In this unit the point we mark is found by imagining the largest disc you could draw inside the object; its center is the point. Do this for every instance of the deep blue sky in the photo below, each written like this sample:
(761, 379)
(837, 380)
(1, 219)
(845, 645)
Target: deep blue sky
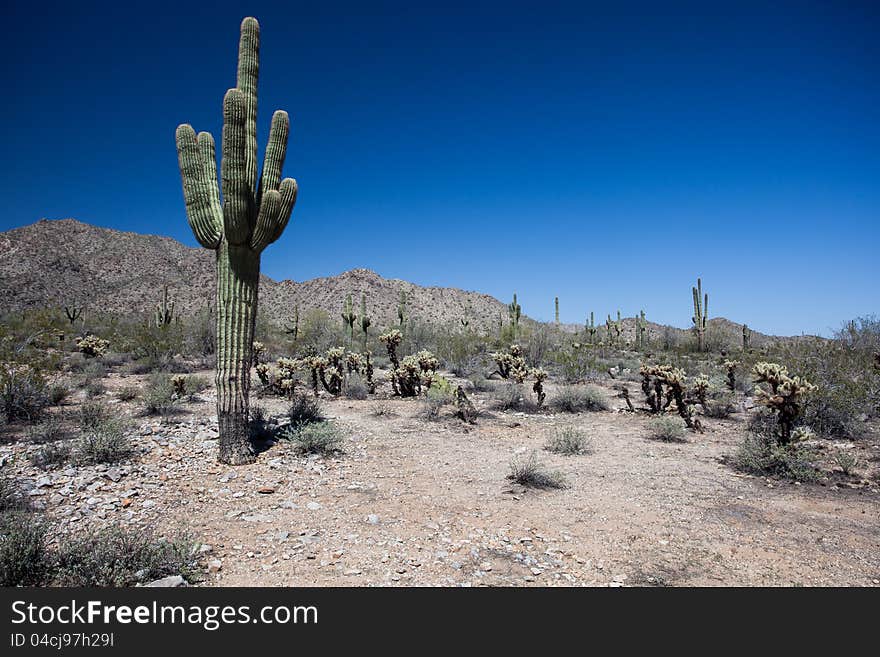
(605, 155)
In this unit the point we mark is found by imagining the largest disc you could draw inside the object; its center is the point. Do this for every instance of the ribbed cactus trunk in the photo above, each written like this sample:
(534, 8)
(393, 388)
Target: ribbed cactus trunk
(238, 280)
(252, 215)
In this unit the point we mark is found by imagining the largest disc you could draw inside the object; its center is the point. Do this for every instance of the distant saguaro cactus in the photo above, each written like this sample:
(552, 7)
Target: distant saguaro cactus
(514, 312)
(556, 301)
(401, 310)
(348, 319)
(253, 214)
(591, 328)
(641, 331)
(701, 312)
(73, 313)
(164, 310)
(365, 321)
(747, 337)
(293, 329)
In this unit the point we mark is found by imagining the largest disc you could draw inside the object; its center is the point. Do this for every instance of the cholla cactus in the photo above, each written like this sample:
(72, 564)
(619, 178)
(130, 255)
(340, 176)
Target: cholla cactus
(701, 313)
(464, 409)
(280, 380)
(654, 378)
(392, 340)
(92, 346)
(783, 395)
(514, 312)
(730, 366)
(511, 364)
(259, 351)
(701, 389)
(365, 321)
(73, 313)
(254, 212)
(164, 310)
(641, 331)
(178, 383)
(540, 376)
(415, 373)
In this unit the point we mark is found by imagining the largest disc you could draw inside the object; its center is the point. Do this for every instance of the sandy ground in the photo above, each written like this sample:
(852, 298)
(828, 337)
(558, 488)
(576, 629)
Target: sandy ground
(417, 502)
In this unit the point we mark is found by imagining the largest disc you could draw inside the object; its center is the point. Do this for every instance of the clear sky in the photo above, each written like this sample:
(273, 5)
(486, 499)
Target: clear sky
(607, 153)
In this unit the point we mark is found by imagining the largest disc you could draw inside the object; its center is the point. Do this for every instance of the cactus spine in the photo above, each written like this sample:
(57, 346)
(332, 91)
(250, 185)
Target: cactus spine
(253, 214)
(514, 312)
(641, 329)
(348, 319)
(365, 321)
(164, 310)
(701, 312)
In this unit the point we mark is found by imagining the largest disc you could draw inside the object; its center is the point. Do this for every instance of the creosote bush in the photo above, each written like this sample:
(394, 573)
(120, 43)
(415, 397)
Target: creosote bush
(668, 430)
(304, 410)
(578, 399)
(569, 441)
(763, 454)
(23, 392)
(104, 442)
(159, 396)
(528, 471)
(24, 557)
(322, 438)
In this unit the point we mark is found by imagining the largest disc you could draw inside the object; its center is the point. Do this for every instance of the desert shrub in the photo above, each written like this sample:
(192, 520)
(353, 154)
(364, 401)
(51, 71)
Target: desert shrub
(511, 396)
(578, 399)
(435, 399)
(576, 363)
(24, 557)
(195, 384)
(315, 438)
(382, 409)
(667, 429)
(103, 442)
(355, 388)
(58, 393)
(23, 392)
(763, 454)
(51, 455)
(530, 472)
(570, 442)
(460, 350)
(127, 393)
(304, 410)
(114, 359)
(47, 431)
(114, 556)
(94, 388)
(720, 407)
(482, 384)
(159, 397)
(11, 497)
(259, 424)
(846, 461)
(92, 414)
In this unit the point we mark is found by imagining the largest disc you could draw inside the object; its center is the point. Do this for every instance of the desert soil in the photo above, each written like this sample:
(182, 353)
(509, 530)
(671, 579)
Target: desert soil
(427, 503)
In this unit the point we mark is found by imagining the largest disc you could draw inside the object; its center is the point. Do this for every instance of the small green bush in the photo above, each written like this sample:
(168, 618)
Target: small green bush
(23, 392)
(570, 442)
(58, 394)
(158, 397)
(52, 455)
(315, 438)
(578, 399)
(24, 557)
(105, 442)
(127, 393)
(762, 454)
(668, 430)
(122, 557)
(304, 409)
(92, 414)
(530, 472)
(355, 388)
(48, 431)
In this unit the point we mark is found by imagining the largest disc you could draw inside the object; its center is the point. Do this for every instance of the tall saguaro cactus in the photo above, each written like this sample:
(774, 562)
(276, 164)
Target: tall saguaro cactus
(556, 301)
(253, 214)
(701, 312)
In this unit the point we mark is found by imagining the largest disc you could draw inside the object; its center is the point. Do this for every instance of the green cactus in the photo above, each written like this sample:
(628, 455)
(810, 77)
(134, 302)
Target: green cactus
(348, 319)
(641, 331)
(556, 301)
(701, 312)
(747, 338)
(253, 214)
(514, 312)
(164, 310)
(365, 320)
(401, 310)
(591, 328)
(613, 329)
(73, 312)
(293, 329)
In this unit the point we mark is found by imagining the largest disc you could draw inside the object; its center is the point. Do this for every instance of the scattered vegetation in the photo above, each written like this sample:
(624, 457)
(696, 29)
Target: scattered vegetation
(528, 471)
(667, 429)
(570, 442)
(578, 399)
(322, 438)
